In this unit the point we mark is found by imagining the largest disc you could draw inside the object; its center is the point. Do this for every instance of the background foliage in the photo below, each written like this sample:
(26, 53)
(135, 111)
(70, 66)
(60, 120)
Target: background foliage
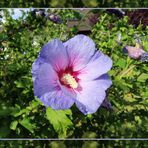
(73, 3)
(23, 116)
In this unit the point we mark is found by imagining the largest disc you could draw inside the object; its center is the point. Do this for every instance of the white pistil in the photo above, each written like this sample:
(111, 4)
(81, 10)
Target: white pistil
(68, 79)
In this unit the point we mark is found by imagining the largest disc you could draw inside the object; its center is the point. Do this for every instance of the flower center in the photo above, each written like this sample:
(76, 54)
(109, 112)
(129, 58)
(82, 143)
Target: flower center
(68, 79)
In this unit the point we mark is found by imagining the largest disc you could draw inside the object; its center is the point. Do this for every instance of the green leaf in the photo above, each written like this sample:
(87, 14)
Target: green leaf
(58, 118)
(19, 84)
(6, 110)
(121, 63)
(33, 105)
(143, 77)
(27, 124)
(137, 119)
(13, 125)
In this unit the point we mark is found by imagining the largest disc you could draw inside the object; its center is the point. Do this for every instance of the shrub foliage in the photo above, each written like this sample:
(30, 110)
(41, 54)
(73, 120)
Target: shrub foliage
(24, 116)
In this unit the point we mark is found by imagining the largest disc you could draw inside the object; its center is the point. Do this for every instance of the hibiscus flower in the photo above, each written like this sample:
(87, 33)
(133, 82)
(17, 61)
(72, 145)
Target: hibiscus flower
(71, 72)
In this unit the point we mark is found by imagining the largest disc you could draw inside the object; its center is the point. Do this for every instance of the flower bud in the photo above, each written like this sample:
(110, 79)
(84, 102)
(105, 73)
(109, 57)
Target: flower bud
(133, 52)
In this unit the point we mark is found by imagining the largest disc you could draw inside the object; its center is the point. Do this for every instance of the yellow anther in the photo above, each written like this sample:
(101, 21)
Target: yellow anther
(69, 80)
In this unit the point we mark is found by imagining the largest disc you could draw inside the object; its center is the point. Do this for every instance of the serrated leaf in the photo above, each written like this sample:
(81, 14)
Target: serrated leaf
(59, 120)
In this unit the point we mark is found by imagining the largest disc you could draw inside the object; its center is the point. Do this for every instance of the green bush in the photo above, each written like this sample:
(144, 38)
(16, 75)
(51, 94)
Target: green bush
(24, 116)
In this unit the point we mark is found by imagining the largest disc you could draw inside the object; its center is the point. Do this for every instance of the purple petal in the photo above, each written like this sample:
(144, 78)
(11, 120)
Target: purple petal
(57, 100)
(80, 49)
(55, 53)
(104, 81)
(90, 98)
(44, 77)
(35, 67)
(98, 65)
